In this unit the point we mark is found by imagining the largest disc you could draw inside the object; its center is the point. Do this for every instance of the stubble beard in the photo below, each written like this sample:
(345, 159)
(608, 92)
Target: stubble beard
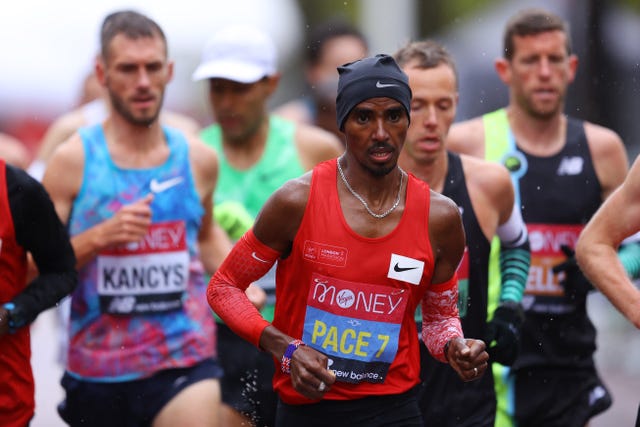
(119, 105)
(381, 171)
(543, 115)
(538, 113)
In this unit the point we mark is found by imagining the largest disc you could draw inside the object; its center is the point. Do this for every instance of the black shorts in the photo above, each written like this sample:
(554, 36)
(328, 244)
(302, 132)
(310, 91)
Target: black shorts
(558, 397)
(396, 410)
(131, 403)
(247, 383)
(447, 401)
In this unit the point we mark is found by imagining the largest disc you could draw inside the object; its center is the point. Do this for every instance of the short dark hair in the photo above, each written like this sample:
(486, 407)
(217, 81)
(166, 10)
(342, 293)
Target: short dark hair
(132, 24)
(427, 54)
(325, 32)
(529, 22)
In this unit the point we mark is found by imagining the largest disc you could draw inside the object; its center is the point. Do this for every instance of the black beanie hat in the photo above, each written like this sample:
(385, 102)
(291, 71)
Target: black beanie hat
(373, 77)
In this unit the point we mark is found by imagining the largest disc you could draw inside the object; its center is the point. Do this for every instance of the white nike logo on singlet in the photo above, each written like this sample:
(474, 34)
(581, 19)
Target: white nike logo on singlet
(160, 186)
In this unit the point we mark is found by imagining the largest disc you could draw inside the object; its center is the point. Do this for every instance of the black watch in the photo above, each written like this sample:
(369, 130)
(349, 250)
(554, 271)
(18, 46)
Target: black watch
(16, 320)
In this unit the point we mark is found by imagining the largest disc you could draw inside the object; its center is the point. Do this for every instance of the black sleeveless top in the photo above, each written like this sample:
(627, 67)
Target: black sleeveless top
(447, 400)
(558, 195)
(473, 311)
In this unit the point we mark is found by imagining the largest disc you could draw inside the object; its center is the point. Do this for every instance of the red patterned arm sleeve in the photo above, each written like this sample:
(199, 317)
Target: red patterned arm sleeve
(248, 261)
(440, 317)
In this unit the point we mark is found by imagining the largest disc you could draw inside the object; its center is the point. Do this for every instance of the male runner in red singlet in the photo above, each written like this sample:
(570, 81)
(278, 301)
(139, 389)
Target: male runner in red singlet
(28, 223)
(359, 245)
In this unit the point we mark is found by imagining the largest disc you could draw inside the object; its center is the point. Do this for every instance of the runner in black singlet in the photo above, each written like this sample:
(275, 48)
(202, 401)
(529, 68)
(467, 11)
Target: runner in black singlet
(562, 169)
(485, 198)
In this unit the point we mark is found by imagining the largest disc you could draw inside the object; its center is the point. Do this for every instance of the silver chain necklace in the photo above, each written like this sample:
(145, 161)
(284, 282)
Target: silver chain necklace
(364, 203)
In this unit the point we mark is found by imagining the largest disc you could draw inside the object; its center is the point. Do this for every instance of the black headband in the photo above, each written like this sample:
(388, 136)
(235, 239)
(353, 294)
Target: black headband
(373, 77)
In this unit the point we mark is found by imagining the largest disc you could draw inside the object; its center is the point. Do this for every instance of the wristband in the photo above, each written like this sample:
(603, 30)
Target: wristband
(285, 365)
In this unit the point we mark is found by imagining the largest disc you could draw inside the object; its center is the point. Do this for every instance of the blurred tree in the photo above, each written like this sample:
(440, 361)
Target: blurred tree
(634, 4)
(316, 12)
(436, 15)
(606, 91)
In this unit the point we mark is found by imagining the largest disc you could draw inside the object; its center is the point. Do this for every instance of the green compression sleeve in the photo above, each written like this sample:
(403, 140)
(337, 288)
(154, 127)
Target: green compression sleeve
(514, 270)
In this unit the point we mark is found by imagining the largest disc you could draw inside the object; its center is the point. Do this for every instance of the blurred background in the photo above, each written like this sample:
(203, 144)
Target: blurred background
(47, 50)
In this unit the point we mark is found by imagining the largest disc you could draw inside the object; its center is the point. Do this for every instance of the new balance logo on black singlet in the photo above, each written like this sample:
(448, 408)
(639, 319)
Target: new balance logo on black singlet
(570, 166)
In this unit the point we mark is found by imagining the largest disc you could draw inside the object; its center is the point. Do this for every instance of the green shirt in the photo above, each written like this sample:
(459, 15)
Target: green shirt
(252, 187)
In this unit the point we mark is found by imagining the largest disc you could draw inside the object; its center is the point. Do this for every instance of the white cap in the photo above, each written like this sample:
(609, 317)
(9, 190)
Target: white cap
(240, 53)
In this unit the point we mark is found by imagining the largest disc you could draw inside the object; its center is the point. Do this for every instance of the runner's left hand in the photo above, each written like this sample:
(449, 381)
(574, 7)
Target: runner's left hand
(468, 358)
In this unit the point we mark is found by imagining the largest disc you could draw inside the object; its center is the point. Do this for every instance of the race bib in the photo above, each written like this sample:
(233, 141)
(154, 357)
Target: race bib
(545, 241)
(149, 276)
(357, 325)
